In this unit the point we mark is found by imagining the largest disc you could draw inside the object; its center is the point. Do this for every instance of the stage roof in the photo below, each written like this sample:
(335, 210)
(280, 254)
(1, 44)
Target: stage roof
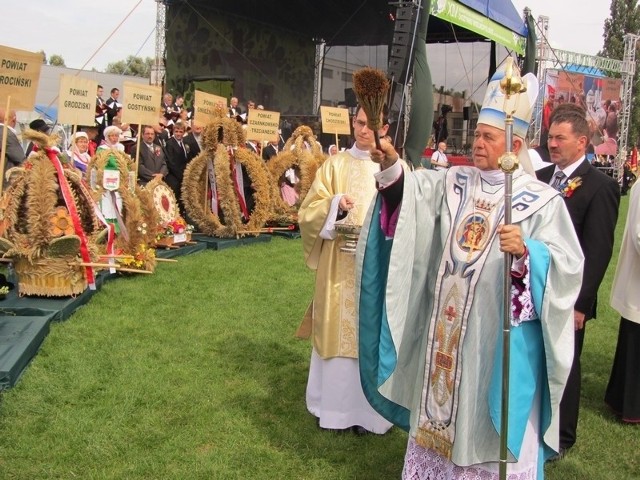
(351, 22)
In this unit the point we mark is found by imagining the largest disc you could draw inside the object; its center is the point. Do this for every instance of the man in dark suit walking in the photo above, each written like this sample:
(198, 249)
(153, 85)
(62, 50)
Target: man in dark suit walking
(592, 199)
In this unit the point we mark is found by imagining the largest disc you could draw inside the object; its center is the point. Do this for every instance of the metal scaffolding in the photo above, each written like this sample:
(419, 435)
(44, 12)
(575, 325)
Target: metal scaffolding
(158, 69)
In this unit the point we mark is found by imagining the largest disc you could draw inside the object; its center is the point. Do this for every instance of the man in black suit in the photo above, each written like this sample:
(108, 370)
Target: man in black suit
(176, 161)
(113, 106)
(592, 199)
(192, 142)
(270, 150)
(100, 114)
(153, 161)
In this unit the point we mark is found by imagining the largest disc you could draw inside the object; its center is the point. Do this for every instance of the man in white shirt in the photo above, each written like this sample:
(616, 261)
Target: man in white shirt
(439, 158)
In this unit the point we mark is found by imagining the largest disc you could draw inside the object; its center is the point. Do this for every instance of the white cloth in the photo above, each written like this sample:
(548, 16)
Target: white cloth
(624, 292)
(333, 400)
(423, 464)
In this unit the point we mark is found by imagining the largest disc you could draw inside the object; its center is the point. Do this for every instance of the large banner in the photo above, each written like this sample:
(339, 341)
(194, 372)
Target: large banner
(598, 95)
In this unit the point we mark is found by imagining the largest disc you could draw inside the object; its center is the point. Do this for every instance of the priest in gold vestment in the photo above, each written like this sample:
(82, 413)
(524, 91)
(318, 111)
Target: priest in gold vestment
(341, 193)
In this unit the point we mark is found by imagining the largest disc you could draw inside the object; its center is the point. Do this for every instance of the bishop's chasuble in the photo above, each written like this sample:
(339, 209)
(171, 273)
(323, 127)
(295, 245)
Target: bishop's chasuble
(430, 313)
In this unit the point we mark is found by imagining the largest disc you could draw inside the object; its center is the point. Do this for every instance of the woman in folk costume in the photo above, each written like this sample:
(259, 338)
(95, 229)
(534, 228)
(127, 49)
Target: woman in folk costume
(79, 151)
(111, 139)
(430, 269)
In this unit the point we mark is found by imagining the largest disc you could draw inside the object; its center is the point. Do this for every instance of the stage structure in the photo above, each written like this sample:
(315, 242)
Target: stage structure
(272, 51)
(561, 72)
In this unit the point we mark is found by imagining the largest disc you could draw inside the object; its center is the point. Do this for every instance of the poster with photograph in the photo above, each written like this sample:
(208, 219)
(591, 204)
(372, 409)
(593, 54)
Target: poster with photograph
(597, 94)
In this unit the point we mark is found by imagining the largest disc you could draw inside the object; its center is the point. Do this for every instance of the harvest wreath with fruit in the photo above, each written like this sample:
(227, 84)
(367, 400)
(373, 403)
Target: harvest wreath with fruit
(48, 223)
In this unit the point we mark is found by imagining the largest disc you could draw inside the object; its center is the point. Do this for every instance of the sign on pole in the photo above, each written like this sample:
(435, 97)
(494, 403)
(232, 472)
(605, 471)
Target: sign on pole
(335, 120)
(141, 103)
(204, 107)
(76, 100)
(262, 125)
(19, 75)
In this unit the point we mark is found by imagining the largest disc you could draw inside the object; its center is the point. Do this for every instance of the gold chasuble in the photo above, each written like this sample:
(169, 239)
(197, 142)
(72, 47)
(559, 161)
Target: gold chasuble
(334, 323)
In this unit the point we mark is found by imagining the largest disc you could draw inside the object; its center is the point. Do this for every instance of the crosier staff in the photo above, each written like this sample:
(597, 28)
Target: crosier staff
(511, 85)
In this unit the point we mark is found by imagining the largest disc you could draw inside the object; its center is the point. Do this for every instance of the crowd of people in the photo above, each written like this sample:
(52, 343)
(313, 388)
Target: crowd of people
(405, 332)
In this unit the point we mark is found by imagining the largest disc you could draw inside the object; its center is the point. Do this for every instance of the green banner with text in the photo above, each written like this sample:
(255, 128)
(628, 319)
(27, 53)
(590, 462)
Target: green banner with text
(463, 16)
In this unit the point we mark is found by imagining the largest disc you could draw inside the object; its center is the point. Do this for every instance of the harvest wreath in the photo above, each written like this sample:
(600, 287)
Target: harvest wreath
(48, 224)
(221, 139)
(133, 213)
(302, 151)
(171, 229)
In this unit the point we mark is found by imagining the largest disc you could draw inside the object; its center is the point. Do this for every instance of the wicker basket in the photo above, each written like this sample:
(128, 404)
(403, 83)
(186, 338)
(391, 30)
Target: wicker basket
(50, 277)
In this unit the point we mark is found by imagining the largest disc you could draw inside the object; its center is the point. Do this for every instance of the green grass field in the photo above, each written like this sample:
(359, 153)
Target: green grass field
(195, 373)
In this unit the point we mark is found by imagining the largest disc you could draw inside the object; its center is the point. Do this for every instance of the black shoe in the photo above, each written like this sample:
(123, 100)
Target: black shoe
(558, 456)
(360, 431)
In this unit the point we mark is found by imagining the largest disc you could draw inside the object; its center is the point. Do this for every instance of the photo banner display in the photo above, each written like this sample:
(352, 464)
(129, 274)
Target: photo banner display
(141, 103)
(599, 95)
(19, 76)
(204, 105)
(335, 120)
(262, 125)
(76, 100)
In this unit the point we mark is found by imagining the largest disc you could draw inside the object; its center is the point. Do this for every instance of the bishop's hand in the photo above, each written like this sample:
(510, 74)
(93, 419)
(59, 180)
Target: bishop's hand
(386, 157)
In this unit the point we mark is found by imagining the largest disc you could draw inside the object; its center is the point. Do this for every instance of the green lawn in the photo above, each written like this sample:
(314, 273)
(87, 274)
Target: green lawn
(194, 372)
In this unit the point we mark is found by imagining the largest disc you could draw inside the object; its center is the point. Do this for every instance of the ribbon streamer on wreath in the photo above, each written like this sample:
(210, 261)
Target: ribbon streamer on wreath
(239, 193)
(73, 213)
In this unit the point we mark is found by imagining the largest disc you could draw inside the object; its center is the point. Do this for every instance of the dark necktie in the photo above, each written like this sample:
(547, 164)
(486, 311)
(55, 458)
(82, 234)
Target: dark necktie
(558, 179)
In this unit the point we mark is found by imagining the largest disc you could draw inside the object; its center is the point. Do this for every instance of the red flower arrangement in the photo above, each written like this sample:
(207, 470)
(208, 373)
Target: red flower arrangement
(567, 188)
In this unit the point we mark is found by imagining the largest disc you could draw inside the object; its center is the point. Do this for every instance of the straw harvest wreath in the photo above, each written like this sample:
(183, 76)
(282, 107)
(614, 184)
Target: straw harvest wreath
(221, 141)
(136, 227)
(48, 224)
(303, 151)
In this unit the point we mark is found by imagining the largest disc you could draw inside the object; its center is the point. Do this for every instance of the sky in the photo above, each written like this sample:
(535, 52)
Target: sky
(76, 29)
(574, 25)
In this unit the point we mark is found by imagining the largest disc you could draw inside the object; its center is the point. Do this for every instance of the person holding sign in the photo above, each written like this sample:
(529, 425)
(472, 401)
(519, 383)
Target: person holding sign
(341, 192)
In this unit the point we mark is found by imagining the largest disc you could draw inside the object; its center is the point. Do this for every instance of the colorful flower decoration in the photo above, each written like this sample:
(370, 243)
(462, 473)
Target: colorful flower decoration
(570, 186)
(61, 223)
(173, 227)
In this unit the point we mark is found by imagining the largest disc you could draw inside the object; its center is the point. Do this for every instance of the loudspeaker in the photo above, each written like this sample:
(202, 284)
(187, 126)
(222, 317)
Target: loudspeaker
(465, 113)
(400, 51)
(350, 99)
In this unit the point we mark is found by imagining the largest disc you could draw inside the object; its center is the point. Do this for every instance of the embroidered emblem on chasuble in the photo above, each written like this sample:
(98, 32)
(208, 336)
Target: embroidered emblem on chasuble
(476, 210)
(362, 187)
